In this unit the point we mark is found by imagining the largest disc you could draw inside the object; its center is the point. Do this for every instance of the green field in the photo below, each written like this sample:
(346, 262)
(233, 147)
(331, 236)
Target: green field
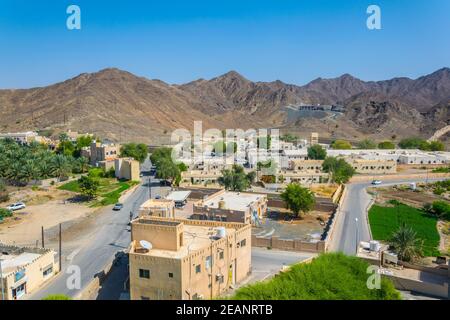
(385, 220)
(109, 191)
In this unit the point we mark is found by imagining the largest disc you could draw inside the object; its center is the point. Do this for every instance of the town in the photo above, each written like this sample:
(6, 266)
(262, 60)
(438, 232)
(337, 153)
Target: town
(168, 223)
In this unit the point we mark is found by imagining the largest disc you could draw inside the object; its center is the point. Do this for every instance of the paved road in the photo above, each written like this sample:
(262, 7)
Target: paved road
(110, 236)
(349, 231)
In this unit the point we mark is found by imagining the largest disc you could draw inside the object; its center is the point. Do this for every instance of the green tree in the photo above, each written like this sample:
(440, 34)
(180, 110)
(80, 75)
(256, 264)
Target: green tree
(405, 243)
(386, 145)
(88, 186)
(341, 145)
(57, 297)
(340, 171)
(137, 151)
(234, 179)
(414, 143)
(159, 154)
(437, 146)
(317, 152)
(61, 166)
(441, 209)
(298, 199)
(288, 138)
(167, 170)
(367, 144)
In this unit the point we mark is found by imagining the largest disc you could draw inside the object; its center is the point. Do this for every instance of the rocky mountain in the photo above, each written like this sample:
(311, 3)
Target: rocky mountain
(121, 106)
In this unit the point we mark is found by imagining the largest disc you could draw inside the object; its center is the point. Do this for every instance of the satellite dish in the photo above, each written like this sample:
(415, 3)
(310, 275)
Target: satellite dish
(145, 244)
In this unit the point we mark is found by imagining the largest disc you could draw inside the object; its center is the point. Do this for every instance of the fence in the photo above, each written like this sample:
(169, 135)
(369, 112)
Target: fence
(288, 244)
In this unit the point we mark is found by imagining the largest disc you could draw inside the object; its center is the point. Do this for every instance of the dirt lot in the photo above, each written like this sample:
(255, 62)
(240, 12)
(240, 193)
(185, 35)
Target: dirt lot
(44, 208)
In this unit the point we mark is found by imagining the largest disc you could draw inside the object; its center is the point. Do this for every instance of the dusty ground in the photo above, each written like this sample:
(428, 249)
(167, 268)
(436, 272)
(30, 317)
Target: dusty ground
(44, 208)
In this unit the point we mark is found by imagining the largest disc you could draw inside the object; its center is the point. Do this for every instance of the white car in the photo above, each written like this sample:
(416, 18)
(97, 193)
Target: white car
(376, 182)
(16, 206)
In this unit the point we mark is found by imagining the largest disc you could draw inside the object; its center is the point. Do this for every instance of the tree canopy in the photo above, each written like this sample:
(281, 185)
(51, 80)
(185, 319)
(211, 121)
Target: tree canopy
(367, 144)
(88, 186)
(340, 170)
(235, 179)
(317, 152)
(298, 199)
(418, 143)
(341, 145)
(137, 151)
(386, 145)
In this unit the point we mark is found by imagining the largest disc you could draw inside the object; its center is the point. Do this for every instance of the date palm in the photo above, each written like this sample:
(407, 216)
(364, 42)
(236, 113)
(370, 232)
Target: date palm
(405, 243)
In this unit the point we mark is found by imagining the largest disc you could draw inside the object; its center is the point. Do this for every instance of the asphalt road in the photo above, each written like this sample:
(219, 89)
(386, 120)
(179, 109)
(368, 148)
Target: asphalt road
(352, 225)
(110, 236)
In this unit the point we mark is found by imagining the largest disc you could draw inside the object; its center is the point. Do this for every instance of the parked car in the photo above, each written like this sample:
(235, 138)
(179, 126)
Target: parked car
(157, 197)
(376, 182)
(118, 207)
(16, 206)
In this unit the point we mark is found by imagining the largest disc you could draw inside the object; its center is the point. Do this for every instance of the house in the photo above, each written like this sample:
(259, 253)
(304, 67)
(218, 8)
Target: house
(231, 206)
(127, 169)
(23, 269)
(158, 207)
(178, 259)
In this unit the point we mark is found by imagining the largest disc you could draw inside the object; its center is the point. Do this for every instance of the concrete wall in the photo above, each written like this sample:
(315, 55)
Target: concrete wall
(420, 176)
(163, 236)
(288, 244)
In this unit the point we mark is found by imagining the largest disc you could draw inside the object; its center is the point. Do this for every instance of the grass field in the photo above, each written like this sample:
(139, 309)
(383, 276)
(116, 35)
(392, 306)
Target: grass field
(109, 190)
(385, 220)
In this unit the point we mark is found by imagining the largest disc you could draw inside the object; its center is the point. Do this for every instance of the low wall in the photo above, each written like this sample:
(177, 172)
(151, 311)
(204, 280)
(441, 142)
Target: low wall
(288, 244)
(428, 288)
(331, 225)
(420, 176)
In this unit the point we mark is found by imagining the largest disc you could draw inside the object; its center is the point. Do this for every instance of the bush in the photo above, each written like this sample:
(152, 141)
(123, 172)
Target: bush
(441, 209)
(5, 213)
(341, 145)
(57, 297)
(331, 276)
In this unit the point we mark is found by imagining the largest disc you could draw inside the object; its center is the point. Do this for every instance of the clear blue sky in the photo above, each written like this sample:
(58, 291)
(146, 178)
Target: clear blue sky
(179, 41)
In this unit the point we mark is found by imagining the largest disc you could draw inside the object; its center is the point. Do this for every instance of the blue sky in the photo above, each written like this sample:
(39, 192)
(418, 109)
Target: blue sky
(179, 41)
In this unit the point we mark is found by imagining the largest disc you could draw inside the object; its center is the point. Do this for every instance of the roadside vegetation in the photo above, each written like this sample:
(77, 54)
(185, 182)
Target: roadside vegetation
(137, 151)
(57, 297)
(317, 152)
(166, 168)
(340, 170)
(389, 222)
(331, 276)
(442, 170)
(418, 143)
(341, 145)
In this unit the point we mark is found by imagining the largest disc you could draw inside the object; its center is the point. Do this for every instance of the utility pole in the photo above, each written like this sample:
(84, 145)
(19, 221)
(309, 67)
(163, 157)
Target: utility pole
(357, 235)
(42, 237)
(60, 249)
(1, 278)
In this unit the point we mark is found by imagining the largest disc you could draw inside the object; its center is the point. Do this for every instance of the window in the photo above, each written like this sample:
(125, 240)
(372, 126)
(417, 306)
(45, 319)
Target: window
(47, 272)
(143, 273)
(170, 275)
(243, 242)
(198, 268)
(145, 298)
(208, 262)
(221, 254)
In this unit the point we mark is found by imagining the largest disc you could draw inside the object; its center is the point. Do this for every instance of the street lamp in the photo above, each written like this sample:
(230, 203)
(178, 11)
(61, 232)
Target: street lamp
(357, 235)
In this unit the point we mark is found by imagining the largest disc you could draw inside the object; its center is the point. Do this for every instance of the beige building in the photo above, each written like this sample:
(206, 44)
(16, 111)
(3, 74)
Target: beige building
(22, 137)
(25, 269)
(175, 259)
(306, 166)
(103, 152)
(314, 139)
(200, 177)
(231, 207)
(302, 177)
(158, 207)
(373, 166)
(127, 168)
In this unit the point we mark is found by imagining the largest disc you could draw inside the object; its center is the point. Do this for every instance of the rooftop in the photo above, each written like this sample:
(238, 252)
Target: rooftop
(233, 200)
(156, 203)
(195, 237)
(178, 195)
(12, 262)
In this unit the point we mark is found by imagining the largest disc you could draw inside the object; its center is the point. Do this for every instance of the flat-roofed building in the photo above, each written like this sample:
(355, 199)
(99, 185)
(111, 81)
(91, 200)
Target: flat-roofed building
(314, 139)
(104, 152)
(158, 207)
(231, 206)
(177, 259)
(24, 269)
(306, 165)
(22, 137)
(200, 177)
(373, 166)
(178, 197)
(304, 177)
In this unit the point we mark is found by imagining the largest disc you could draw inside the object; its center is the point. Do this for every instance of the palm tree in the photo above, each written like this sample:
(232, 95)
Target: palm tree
(61, 166)
(405, 243)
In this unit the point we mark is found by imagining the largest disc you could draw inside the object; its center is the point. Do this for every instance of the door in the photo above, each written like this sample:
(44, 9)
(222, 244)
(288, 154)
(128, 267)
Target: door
(19, 291)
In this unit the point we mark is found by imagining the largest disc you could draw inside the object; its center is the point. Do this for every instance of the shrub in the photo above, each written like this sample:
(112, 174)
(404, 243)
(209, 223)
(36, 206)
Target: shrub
(5, 213)
(441, 209)
(331, 276)
(57, 297)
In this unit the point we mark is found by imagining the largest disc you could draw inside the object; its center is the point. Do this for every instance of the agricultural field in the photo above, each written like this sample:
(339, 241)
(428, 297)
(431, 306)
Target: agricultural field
(384, 220)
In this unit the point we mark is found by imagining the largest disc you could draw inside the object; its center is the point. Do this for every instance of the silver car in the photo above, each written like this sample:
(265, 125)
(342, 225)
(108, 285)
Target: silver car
(16, 206)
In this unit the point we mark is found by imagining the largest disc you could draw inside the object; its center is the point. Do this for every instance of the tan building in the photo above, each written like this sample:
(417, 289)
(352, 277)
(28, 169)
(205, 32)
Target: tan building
(304, 178)
(158, 207)
(103, 152)
(373, 166)
(176, 259)
(127, 168)
(200, 177)
(306, 166)
(314, 139)
(21, 137)
(231, 206)
(25, 269)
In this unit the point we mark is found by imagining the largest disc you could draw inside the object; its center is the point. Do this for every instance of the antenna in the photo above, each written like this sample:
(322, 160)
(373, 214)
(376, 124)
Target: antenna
(145, 244)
